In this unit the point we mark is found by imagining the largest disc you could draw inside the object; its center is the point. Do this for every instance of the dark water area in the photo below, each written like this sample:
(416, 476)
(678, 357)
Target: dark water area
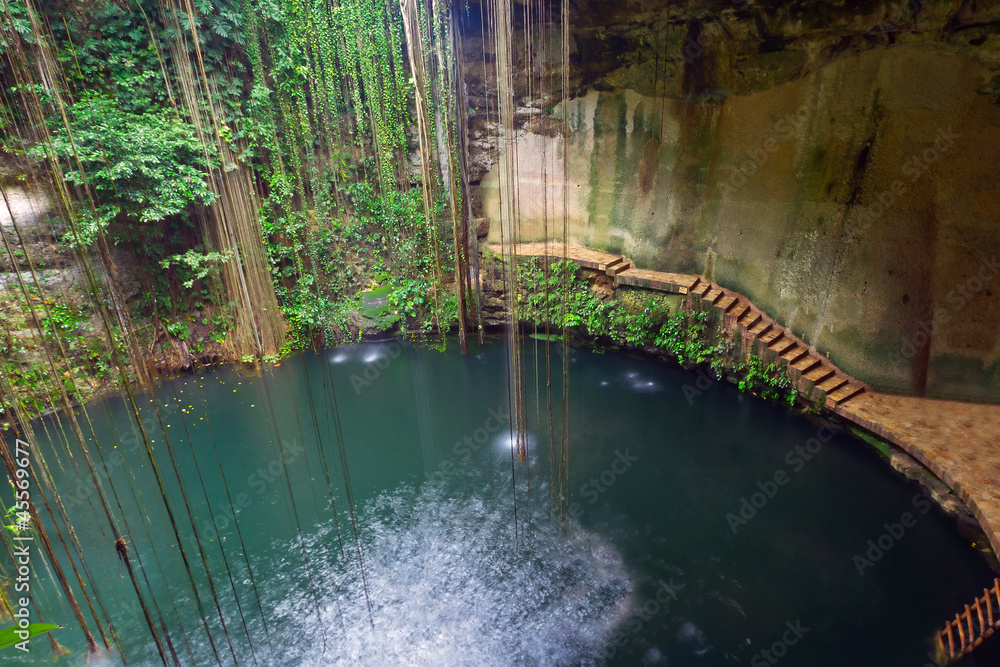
(711, 529)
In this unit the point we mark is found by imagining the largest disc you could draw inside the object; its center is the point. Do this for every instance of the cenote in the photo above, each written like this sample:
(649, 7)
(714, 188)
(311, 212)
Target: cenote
(651, 569)
(499, 332)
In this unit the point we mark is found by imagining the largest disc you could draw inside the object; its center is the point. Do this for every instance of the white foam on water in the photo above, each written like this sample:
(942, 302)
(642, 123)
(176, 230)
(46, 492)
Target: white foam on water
(447, 587)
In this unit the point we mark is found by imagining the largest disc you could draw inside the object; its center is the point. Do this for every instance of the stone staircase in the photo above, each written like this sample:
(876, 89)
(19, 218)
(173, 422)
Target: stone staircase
(812, 374)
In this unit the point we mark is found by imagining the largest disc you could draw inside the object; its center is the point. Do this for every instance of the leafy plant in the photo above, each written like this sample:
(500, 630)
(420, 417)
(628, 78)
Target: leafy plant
(768, 379)
(197, 265)
(179, 330)
(148, 166)
(17, 522)
(560, 296)
(8, 636)
(66, 321)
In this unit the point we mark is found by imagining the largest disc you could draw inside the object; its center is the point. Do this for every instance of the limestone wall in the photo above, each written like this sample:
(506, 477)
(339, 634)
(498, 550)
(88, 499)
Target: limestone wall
(858, 204)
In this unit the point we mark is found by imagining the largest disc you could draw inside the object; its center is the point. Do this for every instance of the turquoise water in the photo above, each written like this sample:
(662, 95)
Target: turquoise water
(707, 529)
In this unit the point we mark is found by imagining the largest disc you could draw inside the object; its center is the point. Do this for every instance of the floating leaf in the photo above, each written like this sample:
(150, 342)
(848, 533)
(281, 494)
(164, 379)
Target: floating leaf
(8, 638)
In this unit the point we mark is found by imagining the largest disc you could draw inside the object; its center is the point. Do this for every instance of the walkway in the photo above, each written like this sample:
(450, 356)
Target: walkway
(955, 440)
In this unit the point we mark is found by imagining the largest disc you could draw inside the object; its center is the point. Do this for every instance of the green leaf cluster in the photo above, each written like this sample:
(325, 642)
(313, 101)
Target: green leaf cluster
(148, 166)
(558, 294)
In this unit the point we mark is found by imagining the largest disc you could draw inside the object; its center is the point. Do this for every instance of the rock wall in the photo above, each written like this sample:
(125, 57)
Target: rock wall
(843, 176)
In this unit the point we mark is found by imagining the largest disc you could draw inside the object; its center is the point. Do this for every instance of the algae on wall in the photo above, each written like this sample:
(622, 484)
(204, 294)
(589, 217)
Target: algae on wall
(856, 204)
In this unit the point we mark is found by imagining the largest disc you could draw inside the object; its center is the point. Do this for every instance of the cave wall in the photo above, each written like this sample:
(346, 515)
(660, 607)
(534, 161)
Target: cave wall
(853, 194)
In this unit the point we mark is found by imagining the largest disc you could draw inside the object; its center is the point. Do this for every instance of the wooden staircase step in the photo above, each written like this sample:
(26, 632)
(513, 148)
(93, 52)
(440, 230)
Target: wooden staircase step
(809, 372)
(832, 383)
(807, 363)
(617, 266)
(844, 394)
(726, 302)
(819, 373)
(738, 312)
(773, 334)
(972, 630)
(713, 295)
(701, 287)
(793, 355)
(750, 319)
(782, 345)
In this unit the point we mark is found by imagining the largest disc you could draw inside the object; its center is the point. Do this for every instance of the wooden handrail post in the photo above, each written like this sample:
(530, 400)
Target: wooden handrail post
(970, 635)
(972, 631)
(989, 606)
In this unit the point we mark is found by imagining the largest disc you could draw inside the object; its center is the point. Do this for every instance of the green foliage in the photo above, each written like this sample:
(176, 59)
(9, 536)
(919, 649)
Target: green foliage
(767, 379)
(16, 25)
(563, 297)
(66, 321)
(316, 102)
(571, 302)
(197, 265)
(310, 313)
(148, 166)
(17, 522)
(320, 269)
(448, 315)
(331, 102)
(178, 330)
(223, 324)
(376, 310)
(409, 297)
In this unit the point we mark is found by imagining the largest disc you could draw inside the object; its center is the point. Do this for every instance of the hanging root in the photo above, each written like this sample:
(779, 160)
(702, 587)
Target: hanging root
(58, 650)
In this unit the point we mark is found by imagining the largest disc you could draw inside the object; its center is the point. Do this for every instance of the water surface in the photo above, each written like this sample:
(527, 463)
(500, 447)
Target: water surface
(707, 528)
